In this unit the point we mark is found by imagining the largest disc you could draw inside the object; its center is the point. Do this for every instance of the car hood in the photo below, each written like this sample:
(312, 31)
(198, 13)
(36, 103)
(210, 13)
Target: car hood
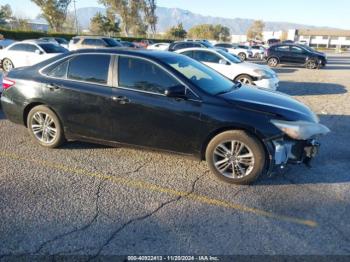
(270, 102)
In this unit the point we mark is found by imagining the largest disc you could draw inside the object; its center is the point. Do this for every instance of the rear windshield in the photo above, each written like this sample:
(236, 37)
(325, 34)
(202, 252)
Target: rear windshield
(51, 48)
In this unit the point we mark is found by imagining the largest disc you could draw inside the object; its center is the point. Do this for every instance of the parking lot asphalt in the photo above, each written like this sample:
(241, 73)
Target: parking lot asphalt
(87, 199)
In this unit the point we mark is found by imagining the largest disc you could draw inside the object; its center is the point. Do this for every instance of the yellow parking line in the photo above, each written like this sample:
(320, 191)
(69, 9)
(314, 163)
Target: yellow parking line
(157, 188)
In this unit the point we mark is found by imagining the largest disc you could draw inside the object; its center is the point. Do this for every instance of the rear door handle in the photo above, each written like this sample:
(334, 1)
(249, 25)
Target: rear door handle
(121, 99)
(53, 86)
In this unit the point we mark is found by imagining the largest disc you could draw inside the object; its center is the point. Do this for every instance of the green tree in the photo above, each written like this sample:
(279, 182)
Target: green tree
(136, 15)
(176, 32)
(5, 14)
(104, 24)
(222, 33)
(54, 12)
(207, 31)
(255, 30)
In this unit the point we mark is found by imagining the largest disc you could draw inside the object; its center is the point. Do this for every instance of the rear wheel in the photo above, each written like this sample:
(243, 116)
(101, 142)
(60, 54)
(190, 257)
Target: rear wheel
(45, 127)
(245, 79)
(7, 65)
(236, 157)
(272, 62)
(242, 56)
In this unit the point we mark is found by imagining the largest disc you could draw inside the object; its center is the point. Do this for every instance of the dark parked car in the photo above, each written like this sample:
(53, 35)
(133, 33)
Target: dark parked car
(161, 100)
(295, 54)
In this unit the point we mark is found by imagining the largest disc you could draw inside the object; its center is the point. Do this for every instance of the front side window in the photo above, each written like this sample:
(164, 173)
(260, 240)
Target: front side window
(206, 57)
(143, 75)
(89, 68)
(296, 49)
(200, 75)
(282, 48)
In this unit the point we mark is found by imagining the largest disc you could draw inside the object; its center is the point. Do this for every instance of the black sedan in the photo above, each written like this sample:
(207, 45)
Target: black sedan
(165, 101)
(295, 54)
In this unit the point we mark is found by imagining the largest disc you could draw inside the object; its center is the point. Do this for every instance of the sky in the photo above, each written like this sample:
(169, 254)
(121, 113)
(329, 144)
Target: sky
(331, 13)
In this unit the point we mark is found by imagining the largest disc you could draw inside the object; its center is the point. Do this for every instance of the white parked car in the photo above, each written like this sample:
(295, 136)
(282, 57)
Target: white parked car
(242, 52)
(27, 53)
(233, 68)
(159, 46)
(258, 51)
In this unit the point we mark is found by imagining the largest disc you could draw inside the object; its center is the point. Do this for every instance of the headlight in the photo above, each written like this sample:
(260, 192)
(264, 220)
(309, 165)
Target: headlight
(263, 74)
(300, 130)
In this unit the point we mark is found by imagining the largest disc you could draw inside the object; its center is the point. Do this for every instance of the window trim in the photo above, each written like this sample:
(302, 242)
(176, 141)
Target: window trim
(70, 57)
(116, 83)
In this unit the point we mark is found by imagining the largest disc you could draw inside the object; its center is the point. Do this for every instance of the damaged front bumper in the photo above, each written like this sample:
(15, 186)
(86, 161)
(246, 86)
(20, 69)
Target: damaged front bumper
(285, 151)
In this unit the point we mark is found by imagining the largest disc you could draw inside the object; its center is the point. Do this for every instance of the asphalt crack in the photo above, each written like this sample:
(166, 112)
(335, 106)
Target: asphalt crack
(141, 218)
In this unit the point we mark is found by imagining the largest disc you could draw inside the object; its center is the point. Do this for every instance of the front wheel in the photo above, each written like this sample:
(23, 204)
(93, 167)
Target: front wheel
(45, 127)
(236, 157)
(245, 79)
(311, 64)
(242, 56)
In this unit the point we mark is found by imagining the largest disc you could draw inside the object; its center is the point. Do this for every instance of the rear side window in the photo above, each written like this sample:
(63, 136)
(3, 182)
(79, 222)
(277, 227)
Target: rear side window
(89, 68)
(23, 47)
(143, 75)
(59, 71)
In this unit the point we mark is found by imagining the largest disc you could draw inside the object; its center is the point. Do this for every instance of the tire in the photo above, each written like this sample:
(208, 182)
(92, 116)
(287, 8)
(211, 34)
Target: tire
(242, 56)
(245, 79)
(45, 127)
(7, 65)
(272, 62)
(311, 64)
(246, 169)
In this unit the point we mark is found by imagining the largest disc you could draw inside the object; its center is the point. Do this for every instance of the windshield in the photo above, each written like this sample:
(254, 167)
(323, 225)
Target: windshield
(52, 48)
(111, 42)
(200, 75)
(308, 48)
(232, 58)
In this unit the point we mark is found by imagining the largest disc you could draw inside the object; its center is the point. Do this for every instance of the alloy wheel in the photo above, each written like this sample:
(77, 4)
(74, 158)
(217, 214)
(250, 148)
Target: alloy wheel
(7, 65)
(43, 127)
(233, 159)
(245, 81)
(273, 62)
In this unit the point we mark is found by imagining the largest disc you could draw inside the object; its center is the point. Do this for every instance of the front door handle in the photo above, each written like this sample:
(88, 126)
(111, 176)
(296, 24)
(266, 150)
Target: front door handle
(53, 87)
(121, 99)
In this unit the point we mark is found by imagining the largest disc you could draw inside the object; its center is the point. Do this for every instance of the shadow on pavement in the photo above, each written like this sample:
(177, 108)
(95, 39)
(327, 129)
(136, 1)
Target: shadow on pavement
(310, 88)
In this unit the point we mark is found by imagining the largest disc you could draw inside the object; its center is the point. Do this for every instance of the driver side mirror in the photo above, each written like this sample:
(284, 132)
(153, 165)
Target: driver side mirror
(38, 52)
(178, 91)
(223, 62)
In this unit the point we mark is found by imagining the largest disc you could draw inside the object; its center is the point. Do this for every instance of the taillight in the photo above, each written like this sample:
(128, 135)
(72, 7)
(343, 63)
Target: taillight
(7, 83)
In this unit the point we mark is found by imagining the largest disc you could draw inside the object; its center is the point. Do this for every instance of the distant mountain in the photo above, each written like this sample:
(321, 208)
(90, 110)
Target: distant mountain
(168, 17)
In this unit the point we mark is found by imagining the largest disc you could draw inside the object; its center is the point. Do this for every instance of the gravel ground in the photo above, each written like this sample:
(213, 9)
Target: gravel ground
(87, 199)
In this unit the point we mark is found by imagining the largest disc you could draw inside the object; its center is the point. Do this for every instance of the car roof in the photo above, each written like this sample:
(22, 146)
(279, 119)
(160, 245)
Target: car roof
(146, 53)
(91, 36)
(213, 50)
